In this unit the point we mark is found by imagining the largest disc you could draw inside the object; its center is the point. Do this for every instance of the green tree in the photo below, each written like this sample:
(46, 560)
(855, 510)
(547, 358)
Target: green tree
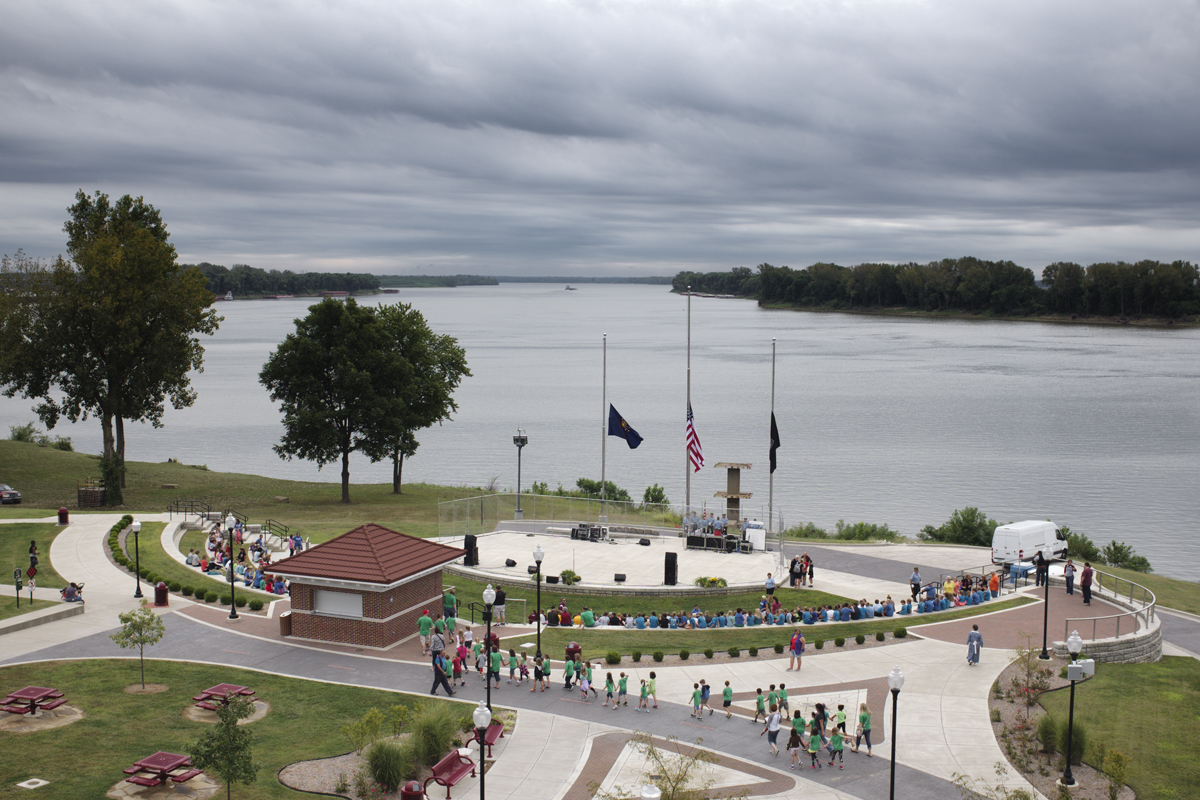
(591, 488)
(655, 494)
(435, 365)
(334, 379)
(139, 628)
(228, 748)
(678, 772)
(966, 526)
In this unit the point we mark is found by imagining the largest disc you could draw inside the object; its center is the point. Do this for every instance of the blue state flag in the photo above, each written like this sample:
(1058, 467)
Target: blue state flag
(617, 426)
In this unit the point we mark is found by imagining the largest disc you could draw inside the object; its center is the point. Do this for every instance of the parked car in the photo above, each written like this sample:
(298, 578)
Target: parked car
(9, 494)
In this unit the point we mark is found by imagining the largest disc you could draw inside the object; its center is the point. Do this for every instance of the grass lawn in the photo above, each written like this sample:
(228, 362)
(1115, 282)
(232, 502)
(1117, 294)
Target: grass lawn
(8, 604)
(86, 758)
(1150, 712)
(597, 642)
(1169, 592)
(14, 551)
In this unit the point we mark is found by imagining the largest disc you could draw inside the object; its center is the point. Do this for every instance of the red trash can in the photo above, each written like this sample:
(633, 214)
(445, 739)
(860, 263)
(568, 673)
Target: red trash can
(160, 594)
(573, 649)
(63, 517)
(411, 791)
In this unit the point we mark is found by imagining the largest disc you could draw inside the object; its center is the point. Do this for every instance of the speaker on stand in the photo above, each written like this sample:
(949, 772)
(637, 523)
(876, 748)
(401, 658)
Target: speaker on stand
(472, 557)
(671, 569)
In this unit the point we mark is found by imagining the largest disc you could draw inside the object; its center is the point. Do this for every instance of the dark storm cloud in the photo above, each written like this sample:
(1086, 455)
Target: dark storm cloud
(609, 137)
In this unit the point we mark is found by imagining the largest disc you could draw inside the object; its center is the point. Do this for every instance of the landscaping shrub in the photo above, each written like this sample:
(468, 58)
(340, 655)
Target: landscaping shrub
(711, 583)
(635, 655)
(144, 572)
(1079, 742)
(752, 651)
(241, 602)
(734, 652)
(1047, 733)
(879, 636)
(210, 597)
(859, 639)
(434, 727)
(226, 599)
(900, 633)
(612, 657)
(839, 642)
(819, 643)
(684, 655)
(778, 648)
(708, 652)
(569, 578)
(175, 586)
(256, 604)
(658, 655)
(187, 591)
(386, 763)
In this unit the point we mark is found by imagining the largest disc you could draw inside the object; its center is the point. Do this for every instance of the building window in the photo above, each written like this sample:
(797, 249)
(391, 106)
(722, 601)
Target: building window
(338, 604)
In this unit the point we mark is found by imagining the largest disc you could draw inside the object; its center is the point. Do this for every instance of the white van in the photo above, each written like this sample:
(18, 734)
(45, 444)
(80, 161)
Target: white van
(1021, 541)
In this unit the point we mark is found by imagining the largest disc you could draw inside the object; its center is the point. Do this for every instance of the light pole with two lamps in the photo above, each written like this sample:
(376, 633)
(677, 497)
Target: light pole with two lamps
(895, 681)
(520, 440)
(136, 527)
(538, 555)
(1076, 671)
(482, 717)
(489, 597)
(230, 524)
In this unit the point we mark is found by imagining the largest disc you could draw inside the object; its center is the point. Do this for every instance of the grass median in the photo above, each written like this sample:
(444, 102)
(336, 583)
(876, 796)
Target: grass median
(86, 758)
(596, 642)
(14, 551)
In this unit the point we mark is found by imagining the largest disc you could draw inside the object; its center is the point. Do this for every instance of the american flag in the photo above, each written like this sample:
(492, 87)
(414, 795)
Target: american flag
(695, 451)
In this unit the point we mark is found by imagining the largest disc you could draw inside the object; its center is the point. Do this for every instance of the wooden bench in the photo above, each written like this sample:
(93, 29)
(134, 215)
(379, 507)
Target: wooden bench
(186, 776)
(51, 706)
(450, 770)
(143, 781)
(495, 732)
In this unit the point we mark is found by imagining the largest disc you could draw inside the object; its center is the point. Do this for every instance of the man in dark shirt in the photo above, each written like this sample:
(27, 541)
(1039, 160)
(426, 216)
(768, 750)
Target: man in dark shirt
(498, 606)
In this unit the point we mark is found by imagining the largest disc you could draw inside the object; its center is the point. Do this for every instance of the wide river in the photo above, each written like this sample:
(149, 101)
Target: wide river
(896, 421)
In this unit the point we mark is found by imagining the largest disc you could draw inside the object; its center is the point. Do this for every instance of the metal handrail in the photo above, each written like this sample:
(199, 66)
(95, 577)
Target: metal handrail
(1143, 616)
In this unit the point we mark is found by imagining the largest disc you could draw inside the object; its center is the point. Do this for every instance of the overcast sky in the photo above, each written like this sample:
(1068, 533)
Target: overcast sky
(594, 138)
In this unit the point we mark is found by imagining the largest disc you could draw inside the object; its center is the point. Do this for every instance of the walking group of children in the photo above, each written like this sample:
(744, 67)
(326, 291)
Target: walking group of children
(616, 690)
(822, 730)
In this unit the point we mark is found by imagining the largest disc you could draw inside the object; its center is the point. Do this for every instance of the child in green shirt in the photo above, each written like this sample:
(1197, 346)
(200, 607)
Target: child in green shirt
(695, 700)
(622, 695)
(643, 703)
(609, 688)
(835, 748)
(784, 708)
(569, 670)
(727, 694)
(760, 707)
(512, 667)
(814, 749)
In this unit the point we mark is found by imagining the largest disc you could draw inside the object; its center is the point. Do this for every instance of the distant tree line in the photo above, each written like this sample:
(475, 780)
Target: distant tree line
(657, 280)
(243, 279)
(430, 281)
(1144, 289)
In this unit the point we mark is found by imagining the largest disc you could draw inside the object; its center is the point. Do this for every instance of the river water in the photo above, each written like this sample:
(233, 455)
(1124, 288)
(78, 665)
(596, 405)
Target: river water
(896, 421)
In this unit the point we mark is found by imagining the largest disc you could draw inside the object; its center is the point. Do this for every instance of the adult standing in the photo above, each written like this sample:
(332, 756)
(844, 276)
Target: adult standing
(797, 650)
(974, 645)
(33, 553)
(864, 728)
(914, 582)
(1085, 583)
(449, 604)
(770, 585)
(439, 675)
(1069, 575)
(437, 643)
(1041, 568)
(772, 729)
(424, 627)
(498, 606)
(810, 571)
(794, 571)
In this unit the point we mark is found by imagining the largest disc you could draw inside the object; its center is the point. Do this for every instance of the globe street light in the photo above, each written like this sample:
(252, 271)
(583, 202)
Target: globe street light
(538, 555)
(231, 523)
(482, 717)
(895, 680)
(520, 440)
(136, 527)
(651, 792)
(1045, 656)
(489, 597)
(1075, 645)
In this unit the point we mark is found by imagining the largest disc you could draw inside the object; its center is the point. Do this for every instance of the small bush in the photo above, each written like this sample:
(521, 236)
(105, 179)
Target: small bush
(187, 591)
(385, 761)
(569, 577)
(778, 648)
(734, 652)
(175, 586)
(211, 597)
(839, 642)
(612, 657)
(1062, 673)
(708, 652)
(879, 636)
(859, 639)
(684, 655)
(144, 572)
(1079, 742)
(1047, 733)
(241, 602)
(658, 655)
(256, 604)
(900, 633)
(635, 655)
(226, 599)
(995, 715)
(819, 643)
(752, 651)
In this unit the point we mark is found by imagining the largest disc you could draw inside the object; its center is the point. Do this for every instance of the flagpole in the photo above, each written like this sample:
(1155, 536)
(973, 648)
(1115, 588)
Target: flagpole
(603, 427)
(771, 485)
(687, 466)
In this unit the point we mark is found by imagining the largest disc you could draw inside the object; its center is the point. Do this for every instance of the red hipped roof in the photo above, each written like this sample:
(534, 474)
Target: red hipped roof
(369, 554)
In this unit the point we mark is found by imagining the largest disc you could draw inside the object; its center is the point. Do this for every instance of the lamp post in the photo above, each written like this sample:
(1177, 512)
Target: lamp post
(1075, 645)
(489, 597)
(230, 523)
(538, 555)
(136, 527)
(520, 440)
(651, 792)
(482, 717)
(1045, 656)
(895, 680)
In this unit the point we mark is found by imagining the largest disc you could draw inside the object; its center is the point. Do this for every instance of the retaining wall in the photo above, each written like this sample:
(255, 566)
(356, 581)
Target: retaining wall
(1141, 647)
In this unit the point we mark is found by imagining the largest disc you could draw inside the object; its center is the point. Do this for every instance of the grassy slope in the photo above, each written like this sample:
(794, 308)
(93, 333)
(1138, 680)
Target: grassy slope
(1157, 725)
(8, 604)
(14, 551)
(86, 758)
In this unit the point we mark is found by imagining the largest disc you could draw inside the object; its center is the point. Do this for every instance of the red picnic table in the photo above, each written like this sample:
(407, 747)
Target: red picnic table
(222, 692)
(33, 697)
(161, 765)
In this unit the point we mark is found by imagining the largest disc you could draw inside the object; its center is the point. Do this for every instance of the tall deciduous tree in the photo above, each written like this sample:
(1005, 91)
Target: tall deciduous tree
(332, 379)
(437, 364)
(114, 331)
(227, 749)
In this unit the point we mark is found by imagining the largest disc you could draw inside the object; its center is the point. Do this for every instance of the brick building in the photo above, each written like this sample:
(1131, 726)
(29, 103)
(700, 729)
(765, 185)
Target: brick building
(366, 587)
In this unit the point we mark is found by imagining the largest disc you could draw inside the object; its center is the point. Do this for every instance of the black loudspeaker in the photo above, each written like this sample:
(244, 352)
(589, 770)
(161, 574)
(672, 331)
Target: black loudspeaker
(532, 569)
(472, 548)
(508, 562)
(671, 576)
(619, 577)
(551, 579)
(644, 542)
